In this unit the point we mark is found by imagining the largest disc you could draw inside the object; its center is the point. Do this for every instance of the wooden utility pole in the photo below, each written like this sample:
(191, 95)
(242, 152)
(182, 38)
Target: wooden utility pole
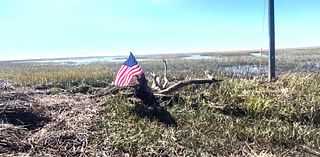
(272, 58)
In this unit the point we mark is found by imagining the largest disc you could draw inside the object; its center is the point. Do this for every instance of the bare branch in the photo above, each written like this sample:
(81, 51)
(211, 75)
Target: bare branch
(166, 81)
(185, 83)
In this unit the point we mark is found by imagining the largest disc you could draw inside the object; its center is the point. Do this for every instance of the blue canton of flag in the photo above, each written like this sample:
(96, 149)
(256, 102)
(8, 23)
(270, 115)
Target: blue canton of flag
(127, 71)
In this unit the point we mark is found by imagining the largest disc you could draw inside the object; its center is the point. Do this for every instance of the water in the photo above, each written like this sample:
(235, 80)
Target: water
(258, 55)
(103, 59)
(79, 60)
(196, 57)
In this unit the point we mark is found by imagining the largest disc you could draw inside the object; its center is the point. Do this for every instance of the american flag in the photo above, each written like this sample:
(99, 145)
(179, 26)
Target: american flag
(127, 71)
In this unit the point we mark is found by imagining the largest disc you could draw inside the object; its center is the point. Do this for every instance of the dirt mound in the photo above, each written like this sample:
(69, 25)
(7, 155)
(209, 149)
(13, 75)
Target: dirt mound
(36, 123)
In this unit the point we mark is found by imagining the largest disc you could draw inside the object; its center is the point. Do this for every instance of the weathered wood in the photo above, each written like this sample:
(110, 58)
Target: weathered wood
(163, 89)
(158, 82)
(181, 84)
(154, 111)
(165, 79)
(144, 92)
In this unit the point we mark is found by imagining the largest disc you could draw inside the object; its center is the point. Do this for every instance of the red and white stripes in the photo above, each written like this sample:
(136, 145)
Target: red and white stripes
(126, 74)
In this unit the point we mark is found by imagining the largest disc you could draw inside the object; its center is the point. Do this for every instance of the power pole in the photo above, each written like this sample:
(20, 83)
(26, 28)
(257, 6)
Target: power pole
(272, 58)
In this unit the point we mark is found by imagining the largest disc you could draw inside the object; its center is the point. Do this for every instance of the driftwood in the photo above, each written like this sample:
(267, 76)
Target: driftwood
(159, 86)
(144, 92)
(165, 79)
(181, 84)
(158, 83)
(154, 111)
(161, 89)
(157, 91)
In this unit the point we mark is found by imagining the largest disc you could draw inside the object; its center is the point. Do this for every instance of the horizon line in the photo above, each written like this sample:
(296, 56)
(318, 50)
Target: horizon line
(154, 54)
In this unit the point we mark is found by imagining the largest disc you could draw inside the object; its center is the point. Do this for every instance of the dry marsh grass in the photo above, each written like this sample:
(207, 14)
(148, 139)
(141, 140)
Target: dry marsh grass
(279, 118)
(245, 115)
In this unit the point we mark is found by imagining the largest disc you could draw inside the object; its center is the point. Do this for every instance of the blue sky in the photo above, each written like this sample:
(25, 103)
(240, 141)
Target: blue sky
(67, 28)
